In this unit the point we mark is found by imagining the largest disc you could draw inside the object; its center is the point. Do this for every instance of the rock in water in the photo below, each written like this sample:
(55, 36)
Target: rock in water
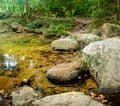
(65, 44)
(103, 58)
(84, 39)
(67, 99)
(65, 72)
(23, 96)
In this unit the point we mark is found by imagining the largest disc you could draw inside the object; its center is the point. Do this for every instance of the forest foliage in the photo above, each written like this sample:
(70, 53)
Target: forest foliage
(42, 15)
(61, 8)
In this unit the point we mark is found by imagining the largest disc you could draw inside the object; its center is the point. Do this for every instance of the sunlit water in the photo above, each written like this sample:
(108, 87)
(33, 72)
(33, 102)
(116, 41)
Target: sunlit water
(25, 56)
(10, 61)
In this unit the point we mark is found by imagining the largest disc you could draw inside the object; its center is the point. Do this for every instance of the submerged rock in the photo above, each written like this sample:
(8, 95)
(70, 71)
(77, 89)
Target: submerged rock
(65, 44)
(104, 60)
(23, 96)
(67, 99)
(64, 72)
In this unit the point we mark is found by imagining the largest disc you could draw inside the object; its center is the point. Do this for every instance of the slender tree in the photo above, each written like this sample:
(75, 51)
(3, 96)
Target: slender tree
(118, 6)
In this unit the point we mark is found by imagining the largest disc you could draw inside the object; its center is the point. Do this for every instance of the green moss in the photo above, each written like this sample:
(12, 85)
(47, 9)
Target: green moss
(57, 27)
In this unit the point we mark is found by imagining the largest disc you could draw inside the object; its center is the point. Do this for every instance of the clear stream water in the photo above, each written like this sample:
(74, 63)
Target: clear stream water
(30, 56)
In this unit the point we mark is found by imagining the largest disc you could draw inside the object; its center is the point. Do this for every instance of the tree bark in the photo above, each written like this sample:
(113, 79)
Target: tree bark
(118, 4)
(27, 10)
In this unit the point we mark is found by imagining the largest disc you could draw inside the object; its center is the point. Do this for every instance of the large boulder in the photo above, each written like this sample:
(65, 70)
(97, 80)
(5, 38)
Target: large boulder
(103, 58)
(66, 44)
(84, 39)
(23, 96)
(65, 72)
(67, 99)
(110, 30)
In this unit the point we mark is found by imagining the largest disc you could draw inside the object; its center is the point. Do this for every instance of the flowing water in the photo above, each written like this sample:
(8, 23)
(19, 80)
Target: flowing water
(25, 56)
(29, 56)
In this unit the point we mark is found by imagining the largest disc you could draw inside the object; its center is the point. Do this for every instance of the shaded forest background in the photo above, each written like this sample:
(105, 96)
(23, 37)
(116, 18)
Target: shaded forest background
(46, 14)
(30, 9)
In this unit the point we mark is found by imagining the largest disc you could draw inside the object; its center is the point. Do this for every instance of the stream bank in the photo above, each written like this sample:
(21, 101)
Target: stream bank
(32, 57)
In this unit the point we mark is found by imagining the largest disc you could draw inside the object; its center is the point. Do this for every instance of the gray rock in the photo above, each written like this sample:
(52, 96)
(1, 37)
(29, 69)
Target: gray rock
(84, 39)
(23, 96)
(16, 27)
(110, 30)
(64, 72)
(103, 58)
(67, 99)
(66, 44)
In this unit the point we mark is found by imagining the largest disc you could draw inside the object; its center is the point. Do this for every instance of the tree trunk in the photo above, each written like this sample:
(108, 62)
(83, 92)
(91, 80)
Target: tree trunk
(117, 14)
(27, 10)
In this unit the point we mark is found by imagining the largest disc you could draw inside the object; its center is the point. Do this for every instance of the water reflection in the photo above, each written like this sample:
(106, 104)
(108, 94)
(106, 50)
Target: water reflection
(9, 61)
(31, 63)
(22, 58)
